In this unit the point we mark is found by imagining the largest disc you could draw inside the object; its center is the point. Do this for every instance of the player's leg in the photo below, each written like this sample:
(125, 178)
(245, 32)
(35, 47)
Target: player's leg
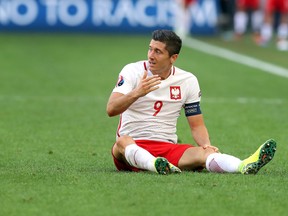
(182, 20)
(240, 23)
(256, 16)
(240, 18)
(127, 150)
(257, 20)
(266, 30)
(197, 157)
(282, 30)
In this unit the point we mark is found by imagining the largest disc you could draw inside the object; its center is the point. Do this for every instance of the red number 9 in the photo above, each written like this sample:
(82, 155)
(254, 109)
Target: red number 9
(157, 106)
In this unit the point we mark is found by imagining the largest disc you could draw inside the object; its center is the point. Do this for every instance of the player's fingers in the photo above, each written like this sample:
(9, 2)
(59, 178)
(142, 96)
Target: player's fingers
(212, 147)
(145, 75)
(147, 78)
(149, 83)
(152, 79)
(149, 86)
(152, 89)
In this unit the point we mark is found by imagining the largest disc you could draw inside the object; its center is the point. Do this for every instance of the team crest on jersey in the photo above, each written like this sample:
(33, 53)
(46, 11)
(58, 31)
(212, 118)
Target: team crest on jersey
(175, 92)
(120, 81)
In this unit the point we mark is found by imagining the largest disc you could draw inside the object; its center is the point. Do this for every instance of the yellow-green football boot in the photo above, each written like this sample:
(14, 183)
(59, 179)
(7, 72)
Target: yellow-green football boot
(260, 158)
(163, 166)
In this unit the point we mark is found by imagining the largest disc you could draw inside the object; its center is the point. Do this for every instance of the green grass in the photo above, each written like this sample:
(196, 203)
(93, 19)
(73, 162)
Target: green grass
(55, 136)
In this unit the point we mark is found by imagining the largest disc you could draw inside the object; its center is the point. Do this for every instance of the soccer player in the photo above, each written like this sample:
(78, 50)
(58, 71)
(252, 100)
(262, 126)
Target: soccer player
(272, 7)
(149, 96)
(183, 20)
(241, 17)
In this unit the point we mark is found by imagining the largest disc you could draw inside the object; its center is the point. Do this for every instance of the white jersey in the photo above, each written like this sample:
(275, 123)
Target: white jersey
(154, 116)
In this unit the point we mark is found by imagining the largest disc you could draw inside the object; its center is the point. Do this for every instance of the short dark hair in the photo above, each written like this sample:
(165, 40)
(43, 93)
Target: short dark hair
(171, 39)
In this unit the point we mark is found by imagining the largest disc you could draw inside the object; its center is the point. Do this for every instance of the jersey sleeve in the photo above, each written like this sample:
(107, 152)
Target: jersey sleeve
(125, 82)
(192, 104)
(193, 90)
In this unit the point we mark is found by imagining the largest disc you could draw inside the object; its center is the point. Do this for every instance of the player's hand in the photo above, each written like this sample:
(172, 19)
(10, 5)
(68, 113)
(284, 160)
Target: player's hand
(211, 147)
(148, 84)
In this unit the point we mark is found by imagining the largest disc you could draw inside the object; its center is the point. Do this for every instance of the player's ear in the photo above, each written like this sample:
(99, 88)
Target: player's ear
(173, 58)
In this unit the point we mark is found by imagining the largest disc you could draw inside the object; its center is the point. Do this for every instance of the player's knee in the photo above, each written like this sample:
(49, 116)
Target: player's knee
(200, 160)
(207, 152)
(120, 145)
(195, 158)
(123, 141)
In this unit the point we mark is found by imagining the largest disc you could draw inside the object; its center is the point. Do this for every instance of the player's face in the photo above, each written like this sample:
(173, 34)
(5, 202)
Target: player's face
(159, 60)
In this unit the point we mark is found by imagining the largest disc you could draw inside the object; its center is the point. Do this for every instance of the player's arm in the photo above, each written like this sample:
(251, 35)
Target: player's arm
(119, 102)
(199, 131)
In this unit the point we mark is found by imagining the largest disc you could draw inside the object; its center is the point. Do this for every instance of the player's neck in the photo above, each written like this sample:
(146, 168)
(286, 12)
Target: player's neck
(166, 75)
(163, 74)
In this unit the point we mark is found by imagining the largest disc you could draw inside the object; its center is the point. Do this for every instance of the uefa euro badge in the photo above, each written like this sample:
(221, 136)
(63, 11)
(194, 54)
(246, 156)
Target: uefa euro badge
(175, 92)
(120, 81)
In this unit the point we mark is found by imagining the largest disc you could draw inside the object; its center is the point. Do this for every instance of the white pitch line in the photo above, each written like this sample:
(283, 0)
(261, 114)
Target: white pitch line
(245, 100)
(236, 57)
(65, 99)
(87, 98)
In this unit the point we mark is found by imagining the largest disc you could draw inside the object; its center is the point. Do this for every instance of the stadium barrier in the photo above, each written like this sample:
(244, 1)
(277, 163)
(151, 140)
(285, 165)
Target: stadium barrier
(104, 15)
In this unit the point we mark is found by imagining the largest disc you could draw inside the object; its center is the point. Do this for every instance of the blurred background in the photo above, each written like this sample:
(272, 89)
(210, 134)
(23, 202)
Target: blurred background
(229, 18)
(98, 16)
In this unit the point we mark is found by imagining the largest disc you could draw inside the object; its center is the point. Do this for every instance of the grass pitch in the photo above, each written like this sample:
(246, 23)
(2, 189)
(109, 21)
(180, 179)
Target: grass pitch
(55, 136)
